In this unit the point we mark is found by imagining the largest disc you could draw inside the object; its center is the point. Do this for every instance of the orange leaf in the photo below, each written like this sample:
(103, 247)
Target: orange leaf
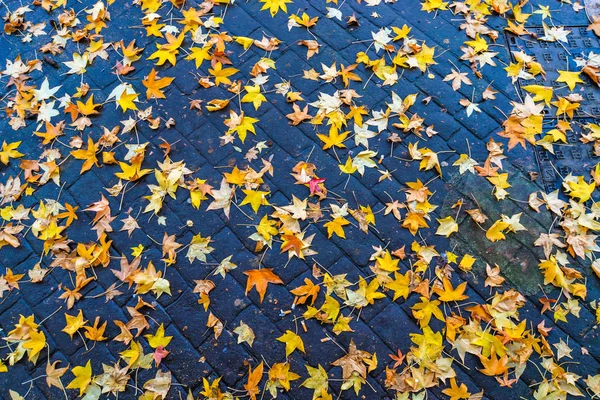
(260, 278)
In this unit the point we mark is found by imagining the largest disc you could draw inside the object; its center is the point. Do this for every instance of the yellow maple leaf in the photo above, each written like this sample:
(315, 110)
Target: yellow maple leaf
(126, 101)
(400, 285)
(456, 392)
(540, 92)
(83, 378)
(137, 250)
(447, 226)
(131, 172)
(254, 96)
(164, 55)
(199, 55)
(425, 57)
(9, 150)
(255, 198)
(132, 354)
(159, 338)
(222, 74)
(401, 33)
(74, 323)
(495, 232)
(387, 263)
(35, 343)
(348, 167)
(571, 78)
(578, 188)
(432, 5)
(246, 42)
(335, 139)
(425, 309)
(154, 86)
(448, 293)
(275, 5)
(292, 342)
(89, 155)
(88, 108)
(317, 381)
(478, 45)
(336, 226)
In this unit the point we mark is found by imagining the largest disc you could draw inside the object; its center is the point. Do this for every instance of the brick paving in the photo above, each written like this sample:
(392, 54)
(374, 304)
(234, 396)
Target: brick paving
(381, 328)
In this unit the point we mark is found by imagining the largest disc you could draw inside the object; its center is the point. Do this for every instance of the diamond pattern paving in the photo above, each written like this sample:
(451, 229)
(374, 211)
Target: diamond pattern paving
(187, 286)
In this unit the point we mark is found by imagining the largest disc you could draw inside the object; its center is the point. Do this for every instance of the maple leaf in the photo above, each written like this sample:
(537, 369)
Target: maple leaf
(260, 278)
(245, 334)
(222, 75)
(317, 380)
(159, 386)
(457, 78)
(154, 85)
(241, 124)
(306, 291)
(465, 163)
(254, 378)
(280, 376)
(199, 248)
(312, 47)
(400, 285)
(494, 365)
(199, 55)
(8, 151)
(292, 342)
(296, 245)
(126, 101)
(495, 232)
(89, 107)
(225, 266)
(493, 278)
(413, 221)
(89, 155)
(255, 198)
(348, 75)
(298, 115)
(425, 309)
(52, 132)
(571, 78)
(447, 226)
(387, 263)
(577, 187)
(448, 293)
(95, 332)
(254, 96)
(348, 167)
(53, 374)
(355, 361)
(79, 63)
(540, 93)
(83, 377)
(74, 323)
(275, 5)
(132, 354)
(35, 344)
(222, 198)
(336, 226)
(158, 339)
(456, 392)
(334, 139)
(365, 294)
